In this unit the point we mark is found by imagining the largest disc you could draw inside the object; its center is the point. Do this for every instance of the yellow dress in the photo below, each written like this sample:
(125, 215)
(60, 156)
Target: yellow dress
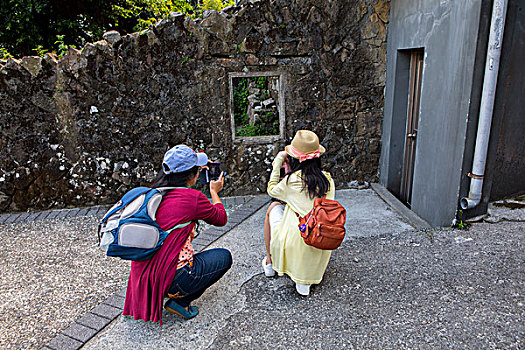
(290, 255)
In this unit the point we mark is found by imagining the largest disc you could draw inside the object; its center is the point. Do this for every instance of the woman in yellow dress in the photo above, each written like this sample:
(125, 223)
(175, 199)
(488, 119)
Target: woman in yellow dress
(287, 253)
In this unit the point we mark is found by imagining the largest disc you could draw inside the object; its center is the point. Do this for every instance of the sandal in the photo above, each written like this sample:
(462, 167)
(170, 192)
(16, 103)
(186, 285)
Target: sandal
(177, 309)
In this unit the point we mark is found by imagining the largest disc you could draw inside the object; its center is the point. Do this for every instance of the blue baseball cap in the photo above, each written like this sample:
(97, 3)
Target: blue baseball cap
(181, 158)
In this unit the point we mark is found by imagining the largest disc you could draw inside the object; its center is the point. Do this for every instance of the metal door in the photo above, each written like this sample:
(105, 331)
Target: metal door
(414, 96)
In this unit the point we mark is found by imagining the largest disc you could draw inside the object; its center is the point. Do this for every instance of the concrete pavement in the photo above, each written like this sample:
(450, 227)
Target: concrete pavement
(388, 287)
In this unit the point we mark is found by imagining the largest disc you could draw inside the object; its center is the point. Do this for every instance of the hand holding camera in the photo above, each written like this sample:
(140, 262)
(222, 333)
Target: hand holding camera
(216, 185)
(213, 175)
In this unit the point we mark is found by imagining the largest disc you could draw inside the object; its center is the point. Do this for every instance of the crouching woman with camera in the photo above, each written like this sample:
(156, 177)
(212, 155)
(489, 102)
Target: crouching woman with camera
(175, 271)
(288, 253)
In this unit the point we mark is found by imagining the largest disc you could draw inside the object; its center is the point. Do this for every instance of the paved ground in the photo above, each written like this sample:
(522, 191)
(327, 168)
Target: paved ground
(52, 273)
(54, 279)
(461, 290)
(367, 215)
(388, 287)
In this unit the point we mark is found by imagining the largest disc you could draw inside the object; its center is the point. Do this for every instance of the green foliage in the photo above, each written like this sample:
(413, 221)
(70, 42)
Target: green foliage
(267, 123)
(4, 54)
(62, 48)
(240, 102)
(262, 82)
(148, 12)
(216, 5)
(33, 26)
(458, 222)
(247, 130)
(39, 50)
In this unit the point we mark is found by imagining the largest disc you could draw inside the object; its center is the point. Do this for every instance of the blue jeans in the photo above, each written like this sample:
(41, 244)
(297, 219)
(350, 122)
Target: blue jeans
(190, 282)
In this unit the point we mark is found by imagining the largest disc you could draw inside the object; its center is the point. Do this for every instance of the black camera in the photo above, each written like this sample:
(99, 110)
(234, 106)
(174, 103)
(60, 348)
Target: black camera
(212, 173)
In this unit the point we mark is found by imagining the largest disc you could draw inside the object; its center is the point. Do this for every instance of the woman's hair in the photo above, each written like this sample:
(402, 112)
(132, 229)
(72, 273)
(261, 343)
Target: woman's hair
(314, 181)
(174, 179)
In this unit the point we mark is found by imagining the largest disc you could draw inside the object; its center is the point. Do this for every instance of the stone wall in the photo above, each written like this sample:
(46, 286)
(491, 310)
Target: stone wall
(88, 127)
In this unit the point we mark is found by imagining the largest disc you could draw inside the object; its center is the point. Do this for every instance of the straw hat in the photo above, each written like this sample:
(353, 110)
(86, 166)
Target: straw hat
(305, 145)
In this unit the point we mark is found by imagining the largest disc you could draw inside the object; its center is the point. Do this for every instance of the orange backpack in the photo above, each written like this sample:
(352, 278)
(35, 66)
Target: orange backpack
(324, 226)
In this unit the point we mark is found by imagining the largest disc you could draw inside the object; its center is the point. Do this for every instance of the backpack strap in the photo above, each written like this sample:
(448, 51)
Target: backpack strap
(179, 226)
(166, 189)
(125, 200)
(163, 190)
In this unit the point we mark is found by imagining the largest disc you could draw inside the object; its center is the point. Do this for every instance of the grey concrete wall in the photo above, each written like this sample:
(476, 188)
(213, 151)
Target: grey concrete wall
(505, 167)
(448, 32)
(506, 159)
(475, 101)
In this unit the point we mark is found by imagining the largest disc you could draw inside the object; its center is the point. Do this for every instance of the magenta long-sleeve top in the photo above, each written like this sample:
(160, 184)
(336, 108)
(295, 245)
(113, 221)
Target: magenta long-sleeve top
(150, 280)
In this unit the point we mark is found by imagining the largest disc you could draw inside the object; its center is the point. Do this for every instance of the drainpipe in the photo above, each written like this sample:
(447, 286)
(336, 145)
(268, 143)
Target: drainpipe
(497, 27)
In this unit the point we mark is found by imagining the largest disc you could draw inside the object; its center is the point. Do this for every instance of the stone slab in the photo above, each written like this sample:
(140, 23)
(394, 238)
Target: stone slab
(22, 218)
(212, 232)
(204, 239)
(32, 216)
(93, 321)
(116, 301)
(63, 342)
(198, 247)
(245, 211)
(236, 217)
(72, 212)
(80, 332)
(93, 211)
(41, 216)
(367, 215)
(221, 229)
(121, 292)
(12, 218)
(53, 214)
(396, 204)
(258, 201)
(3, 218)
(229, 226)
(106, 311)
(102, 210)
(63, 213)
(82, 212)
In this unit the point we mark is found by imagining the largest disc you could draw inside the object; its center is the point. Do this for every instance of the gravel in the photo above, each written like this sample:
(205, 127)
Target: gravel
(437, 289)
(417, 290)
(52, 274)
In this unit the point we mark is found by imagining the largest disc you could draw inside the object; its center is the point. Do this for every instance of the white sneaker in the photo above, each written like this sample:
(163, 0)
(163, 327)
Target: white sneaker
(267, 268)
(303, 289)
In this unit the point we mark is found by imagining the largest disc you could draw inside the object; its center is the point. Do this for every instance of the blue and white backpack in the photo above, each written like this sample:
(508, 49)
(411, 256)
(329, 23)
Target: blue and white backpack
(129, 230)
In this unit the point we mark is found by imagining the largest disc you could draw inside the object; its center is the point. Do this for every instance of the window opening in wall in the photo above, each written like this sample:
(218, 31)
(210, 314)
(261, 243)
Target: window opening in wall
(414, 99)
(256, 106)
